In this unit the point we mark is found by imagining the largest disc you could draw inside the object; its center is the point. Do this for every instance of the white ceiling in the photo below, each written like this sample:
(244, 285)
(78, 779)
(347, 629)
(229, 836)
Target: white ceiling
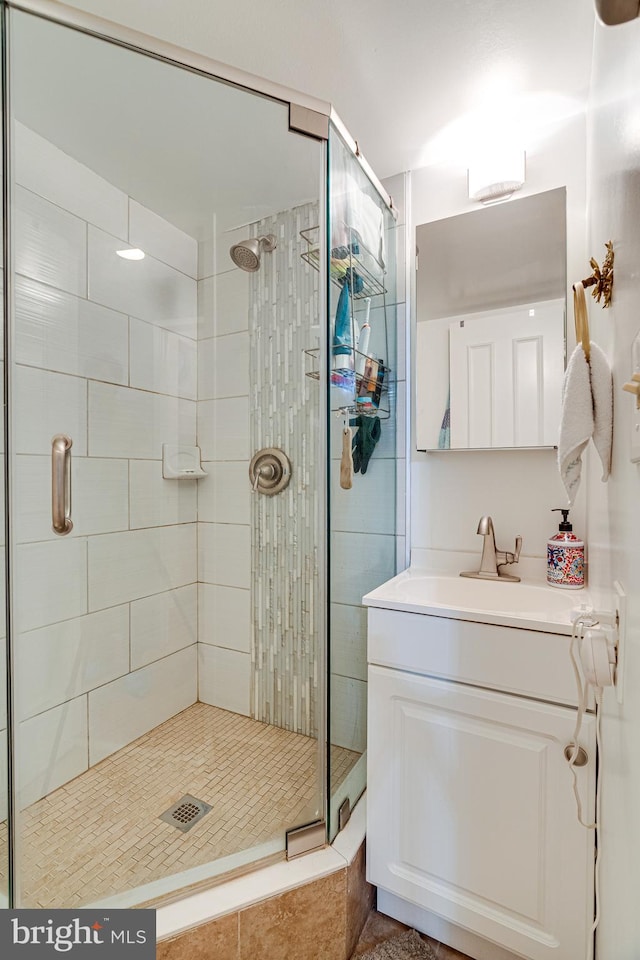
(409, 81)
(397, 72)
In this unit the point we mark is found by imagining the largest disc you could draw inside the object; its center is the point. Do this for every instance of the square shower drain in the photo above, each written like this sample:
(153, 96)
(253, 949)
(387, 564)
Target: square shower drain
(186, 812)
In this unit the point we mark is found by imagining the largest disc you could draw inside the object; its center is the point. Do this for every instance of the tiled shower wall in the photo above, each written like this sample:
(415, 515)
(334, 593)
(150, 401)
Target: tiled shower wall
(287, 649)
(276, 680)
(105, 351)
(224, 557)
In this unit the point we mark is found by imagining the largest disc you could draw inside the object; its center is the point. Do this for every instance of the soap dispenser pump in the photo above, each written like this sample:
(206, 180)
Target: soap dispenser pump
(565, 556)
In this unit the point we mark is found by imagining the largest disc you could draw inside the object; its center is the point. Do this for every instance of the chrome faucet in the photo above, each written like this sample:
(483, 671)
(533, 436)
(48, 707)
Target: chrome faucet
(492, 559)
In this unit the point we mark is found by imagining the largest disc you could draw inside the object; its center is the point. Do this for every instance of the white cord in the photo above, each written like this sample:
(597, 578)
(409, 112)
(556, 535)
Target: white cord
(598, 806)
(583, 693)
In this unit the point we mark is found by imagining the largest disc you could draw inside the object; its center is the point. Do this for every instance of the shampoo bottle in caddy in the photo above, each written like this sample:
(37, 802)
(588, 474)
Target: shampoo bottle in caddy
(565, 556)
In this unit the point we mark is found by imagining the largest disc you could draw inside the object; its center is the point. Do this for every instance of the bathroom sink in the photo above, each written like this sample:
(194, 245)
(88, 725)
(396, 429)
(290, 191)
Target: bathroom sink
(534, 606)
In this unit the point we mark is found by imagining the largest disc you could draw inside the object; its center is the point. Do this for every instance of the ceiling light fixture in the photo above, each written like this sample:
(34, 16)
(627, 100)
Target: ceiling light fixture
(131, 253)
(497, 177)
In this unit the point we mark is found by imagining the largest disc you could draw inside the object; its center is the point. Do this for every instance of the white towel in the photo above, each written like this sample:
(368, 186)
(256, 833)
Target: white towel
(602, 392)
(587, 412)
(576, 423)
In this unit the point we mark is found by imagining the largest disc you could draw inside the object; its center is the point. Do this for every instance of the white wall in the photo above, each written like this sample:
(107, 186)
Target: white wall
(613, 509)
(105, 351)
(450, 491)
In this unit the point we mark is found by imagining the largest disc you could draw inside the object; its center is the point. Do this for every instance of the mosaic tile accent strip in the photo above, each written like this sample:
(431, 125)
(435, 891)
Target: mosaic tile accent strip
(285, 412)
(100, 834)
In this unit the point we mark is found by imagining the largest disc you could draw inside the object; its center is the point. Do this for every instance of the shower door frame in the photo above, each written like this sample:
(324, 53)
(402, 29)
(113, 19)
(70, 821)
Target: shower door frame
(307, 116)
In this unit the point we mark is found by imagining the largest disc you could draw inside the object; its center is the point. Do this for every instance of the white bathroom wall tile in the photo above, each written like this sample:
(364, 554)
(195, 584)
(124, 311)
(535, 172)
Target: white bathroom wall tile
(224, 678)
(466, 486)
(146, 289)
(370, 503)
(224, 495)
(163, 624)
(128, 566)
(349, 641)
(158, 502)
(402, 560)
(160, 239)
(58, 331)
(205, 308)
(205, 258)
(348, 713)
(44, 169)
(360, 562)
(223, 304)
(224, 554)
(50, 244)
(3, 778)
(2, 532)
(62, 661)
(401, 253)
(401, 497)
(3, 591)
(132, 423)
(47, 404)
(3, 681)
(400, 404)
(223, 429)
(50, 582)
(100, 497)
(231, 302)
(223, 367)
(401, 345)
(224, 617)
(162, 361)
(122, 711)
(52, 749)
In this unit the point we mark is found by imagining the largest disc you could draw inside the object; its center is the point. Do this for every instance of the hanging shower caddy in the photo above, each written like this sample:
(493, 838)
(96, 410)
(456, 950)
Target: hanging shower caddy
(350, 398)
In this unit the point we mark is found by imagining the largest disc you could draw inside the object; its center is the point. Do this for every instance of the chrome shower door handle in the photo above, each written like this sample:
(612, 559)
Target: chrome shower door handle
(61, 522)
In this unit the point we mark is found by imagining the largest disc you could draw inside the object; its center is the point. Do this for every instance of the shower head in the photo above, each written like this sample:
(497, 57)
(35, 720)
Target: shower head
(247, 253)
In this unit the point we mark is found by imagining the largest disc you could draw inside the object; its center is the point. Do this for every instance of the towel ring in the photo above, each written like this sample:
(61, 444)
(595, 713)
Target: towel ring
(581, 318)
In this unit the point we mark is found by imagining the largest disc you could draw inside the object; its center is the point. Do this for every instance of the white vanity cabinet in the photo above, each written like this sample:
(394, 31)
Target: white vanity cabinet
(472, 832)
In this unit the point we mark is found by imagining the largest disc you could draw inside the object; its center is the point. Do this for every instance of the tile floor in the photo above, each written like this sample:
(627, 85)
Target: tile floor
(100, 834)
(379, 928)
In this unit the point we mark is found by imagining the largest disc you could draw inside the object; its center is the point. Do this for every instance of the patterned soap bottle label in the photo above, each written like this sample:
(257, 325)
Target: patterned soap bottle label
(565, 565)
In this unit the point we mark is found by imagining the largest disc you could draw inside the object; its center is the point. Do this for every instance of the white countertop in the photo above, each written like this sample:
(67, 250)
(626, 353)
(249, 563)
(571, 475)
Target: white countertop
(528, 605)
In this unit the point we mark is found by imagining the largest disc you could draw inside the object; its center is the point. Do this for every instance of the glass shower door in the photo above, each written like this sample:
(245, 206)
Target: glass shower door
(168, 645)
(362, 406)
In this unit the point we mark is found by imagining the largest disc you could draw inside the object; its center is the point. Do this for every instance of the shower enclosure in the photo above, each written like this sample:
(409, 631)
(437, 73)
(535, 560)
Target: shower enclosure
(185, 642)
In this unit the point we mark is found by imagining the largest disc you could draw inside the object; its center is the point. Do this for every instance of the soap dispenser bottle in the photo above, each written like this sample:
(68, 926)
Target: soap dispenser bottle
(565, 556)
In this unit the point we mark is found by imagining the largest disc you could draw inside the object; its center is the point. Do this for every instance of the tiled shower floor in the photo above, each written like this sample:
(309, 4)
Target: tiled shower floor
(100, 835)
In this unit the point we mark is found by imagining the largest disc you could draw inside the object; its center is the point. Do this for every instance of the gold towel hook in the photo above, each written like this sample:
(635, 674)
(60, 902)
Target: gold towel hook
(581, 316)
(602, 279)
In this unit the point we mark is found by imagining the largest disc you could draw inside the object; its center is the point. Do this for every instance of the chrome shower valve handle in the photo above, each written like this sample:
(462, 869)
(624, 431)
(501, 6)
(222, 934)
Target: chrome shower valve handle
(269, 471)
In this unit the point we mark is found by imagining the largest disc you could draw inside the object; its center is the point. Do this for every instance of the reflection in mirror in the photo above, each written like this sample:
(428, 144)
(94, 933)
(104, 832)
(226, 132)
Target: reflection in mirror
(491, 289)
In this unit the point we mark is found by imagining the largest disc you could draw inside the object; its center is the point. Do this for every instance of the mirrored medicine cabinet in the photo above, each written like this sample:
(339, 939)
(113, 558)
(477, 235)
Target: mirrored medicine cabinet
(491, 326)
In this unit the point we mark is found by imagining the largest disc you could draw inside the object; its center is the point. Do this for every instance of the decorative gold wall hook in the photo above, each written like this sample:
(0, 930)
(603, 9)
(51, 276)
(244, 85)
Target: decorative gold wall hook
(602, 279)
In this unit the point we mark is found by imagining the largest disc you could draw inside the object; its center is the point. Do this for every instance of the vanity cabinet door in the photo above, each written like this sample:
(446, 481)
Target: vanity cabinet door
(471, 813)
